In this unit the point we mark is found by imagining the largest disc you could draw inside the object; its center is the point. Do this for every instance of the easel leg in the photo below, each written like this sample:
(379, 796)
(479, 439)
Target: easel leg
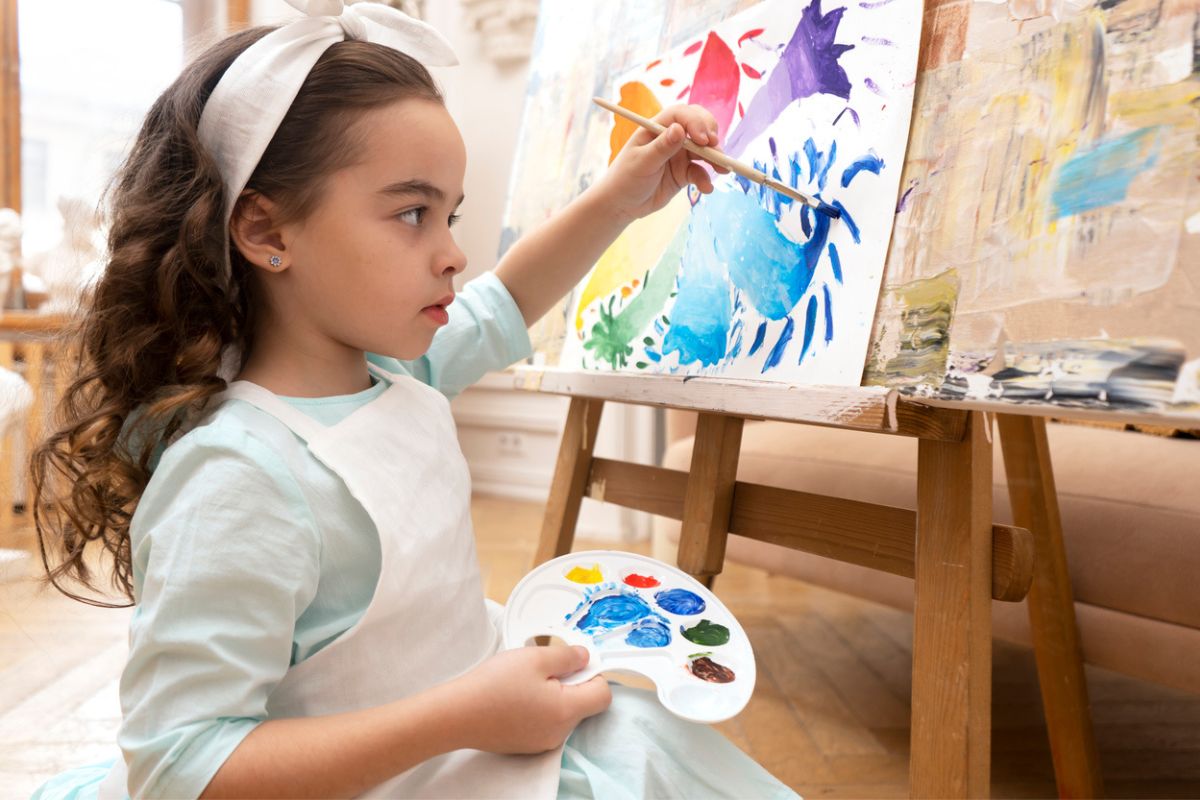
(952, 626)
(1051, 608)
(570, 479)
(709, 497)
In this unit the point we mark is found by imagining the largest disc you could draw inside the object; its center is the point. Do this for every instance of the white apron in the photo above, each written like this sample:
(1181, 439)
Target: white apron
(428, 621)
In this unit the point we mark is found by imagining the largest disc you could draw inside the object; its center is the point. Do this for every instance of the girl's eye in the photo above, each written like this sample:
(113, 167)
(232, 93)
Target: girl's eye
(454, 218)
(413, 216)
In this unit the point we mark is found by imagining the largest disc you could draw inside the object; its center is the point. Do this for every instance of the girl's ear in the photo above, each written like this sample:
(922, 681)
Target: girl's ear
(256, 231)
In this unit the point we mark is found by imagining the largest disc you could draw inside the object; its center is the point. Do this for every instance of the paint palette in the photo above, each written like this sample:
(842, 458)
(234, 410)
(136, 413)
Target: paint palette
(638, 615)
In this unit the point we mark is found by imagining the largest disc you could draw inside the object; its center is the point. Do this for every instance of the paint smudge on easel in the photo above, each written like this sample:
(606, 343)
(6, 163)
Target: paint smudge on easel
(912, 346)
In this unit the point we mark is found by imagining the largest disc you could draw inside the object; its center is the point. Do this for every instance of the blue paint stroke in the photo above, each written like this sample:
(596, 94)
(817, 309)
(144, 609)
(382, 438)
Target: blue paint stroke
(819, 162)
(736, 335)
(846, 218)
(613, 611)
(781, 345)
(828, 315)
(699, 327)
(836, 262)
(680, 601)
(810, 323)
(653, 631)
(870, 162)
(759, 335)
(1100, 176)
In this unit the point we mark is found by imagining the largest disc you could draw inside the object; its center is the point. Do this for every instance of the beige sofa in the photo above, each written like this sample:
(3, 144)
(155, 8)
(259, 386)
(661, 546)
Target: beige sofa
(1130, 506)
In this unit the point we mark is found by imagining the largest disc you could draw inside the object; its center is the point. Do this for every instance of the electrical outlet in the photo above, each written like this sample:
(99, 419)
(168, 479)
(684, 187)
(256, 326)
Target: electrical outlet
(511, 444)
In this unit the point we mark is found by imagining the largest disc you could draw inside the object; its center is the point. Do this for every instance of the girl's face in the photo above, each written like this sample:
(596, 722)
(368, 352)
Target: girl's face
(371, 265)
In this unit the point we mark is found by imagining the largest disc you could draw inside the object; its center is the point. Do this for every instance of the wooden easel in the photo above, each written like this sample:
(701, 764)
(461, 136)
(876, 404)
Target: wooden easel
(960, 561)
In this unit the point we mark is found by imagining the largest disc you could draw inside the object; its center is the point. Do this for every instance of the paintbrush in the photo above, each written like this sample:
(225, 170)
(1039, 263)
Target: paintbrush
(719, 159)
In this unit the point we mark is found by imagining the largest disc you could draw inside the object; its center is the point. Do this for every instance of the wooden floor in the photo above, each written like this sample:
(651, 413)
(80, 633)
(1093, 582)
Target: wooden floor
(829, 715)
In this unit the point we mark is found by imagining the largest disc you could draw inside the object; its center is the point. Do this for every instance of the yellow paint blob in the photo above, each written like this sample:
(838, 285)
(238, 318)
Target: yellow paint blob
(585, 575)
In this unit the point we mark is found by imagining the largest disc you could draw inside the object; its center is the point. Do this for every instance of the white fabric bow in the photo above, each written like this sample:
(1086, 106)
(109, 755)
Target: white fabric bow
(256, 91)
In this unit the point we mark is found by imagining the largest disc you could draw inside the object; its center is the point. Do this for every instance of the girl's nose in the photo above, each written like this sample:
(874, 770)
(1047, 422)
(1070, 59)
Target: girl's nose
(453, 261)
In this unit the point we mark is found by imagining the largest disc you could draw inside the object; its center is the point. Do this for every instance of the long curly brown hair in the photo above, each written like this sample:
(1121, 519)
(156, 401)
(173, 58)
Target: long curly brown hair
(149, 340)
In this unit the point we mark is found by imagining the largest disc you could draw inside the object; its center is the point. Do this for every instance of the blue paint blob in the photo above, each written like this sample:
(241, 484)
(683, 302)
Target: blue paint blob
(612, 611)
(680, 601)
(810, 322)
(828, 314)
(653, 631)
(759, 335)
(836, 262)
(869, 162)
(1100, 175)
(781, 345)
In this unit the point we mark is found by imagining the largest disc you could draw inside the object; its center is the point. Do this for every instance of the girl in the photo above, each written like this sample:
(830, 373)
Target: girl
(309, 612)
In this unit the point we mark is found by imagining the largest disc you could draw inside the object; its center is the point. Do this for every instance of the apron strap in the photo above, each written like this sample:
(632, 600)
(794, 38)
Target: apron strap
(300, 423)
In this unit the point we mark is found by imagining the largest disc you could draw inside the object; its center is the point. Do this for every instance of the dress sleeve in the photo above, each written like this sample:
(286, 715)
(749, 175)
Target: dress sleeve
(486, 332)
(226, 557)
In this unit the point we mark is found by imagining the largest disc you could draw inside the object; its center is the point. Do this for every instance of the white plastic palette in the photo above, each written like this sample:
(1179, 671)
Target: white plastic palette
(636, 614)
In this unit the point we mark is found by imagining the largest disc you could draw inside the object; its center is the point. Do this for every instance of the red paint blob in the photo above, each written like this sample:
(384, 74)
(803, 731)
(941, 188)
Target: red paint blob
(749, 35)
(641, 581)
(693, 48)
(751, 71)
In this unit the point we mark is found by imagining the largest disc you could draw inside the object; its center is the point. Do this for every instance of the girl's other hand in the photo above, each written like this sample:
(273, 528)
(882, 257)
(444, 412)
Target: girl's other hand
(650, 169)
(514, 703)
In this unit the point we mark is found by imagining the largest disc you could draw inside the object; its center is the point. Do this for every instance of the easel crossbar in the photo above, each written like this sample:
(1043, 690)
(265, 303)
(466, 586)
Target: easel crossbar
(876, 536)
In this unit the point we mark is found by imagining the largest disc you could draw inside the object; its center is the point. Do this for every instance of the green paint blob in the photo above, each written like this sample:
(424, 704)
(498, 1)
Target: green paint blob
(706, 633)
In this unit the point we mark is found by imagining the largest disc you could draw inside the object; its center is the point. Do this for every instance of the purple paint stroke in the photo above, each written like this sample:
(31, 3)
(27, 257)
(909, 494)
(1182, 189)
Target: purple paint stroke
(879, 40)
(904, 199)
(873, 86)
(853, 116)
(808, 65)
(874, 4)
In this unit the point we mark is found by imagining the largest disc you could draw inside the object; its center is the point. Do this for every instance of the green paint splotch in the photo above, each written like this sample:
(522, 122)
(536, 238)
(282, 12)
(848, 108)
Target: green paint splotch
(610, 339)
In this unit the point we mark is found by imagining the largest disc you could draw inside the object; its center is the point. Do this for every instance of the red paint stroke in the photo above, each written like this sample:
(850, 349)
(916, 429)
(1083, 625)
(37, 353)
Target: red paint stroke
(715, 85)
(666, 82)
(751, 71)
(741, 111)
(682, 94)
(693, 47)
(641, 581)
(749, 35)
(653, 64)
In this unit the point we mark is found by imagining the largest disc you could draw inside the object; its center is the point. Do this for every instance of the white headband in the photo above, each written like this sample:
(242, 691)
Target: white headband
(253, 96)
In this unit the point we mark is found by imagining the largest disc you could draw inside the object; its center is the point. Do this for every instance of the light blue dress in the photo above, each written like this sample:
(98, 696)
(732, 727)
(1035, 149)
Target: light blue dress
(249, 556)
